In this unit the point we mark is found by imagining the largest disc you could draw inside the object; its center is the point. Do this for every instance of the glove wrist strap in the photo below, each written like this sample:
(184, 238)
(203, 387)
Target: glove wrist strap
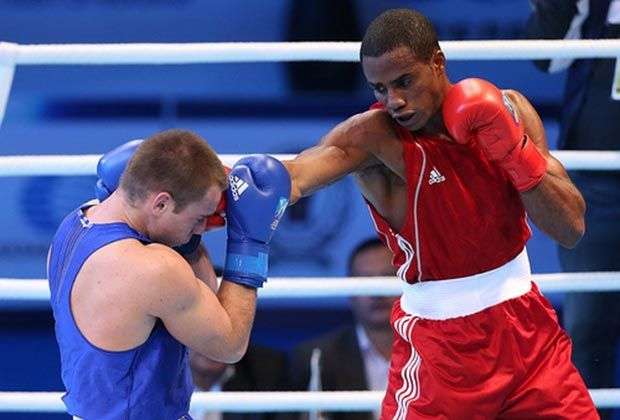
(247, 263)
(525, 165)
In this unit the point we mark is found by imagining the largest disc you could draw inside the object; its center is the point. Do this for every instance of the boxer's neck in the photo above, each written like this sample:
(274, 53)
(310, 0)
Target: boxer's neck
(117, 209)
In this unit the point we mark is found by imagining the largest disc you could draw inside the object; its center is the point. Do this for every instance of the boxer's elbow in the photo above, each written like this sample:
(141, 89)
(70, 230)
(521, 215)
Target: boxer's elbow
(238, 354)
(237, 344)
(577, 224)
(228, 350)
(573, 233)
(234, 352)
(561, 212)
(574, 226)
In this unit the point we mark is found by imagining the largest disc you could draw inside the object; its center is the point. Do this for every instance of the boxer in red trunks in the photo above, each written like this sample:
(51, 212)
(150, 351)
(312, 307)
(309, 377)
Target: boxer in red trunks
(449, 172)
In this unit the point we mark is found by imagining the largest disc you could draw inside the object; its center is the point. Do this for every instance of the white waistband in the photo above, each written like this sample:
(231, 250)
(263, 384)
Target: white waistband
(444, 299)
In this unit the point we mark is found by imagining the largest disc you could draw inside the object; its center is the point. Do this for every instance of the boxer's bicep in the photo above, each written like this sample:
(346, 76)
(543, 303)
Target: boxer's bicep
(189, 309)
(199, 321)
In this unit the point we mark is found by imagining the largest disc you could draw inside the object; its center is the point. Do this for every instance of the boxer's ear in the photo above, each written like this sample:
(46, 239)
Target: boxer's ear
(161, 203)
(438, 63)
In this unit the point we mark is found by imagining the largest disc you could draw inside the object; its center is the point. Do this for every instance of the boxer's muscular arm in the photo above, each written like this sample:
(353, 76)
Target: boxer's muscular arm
(555, 204)
(202, 267)
(216, 326)
(361, 141)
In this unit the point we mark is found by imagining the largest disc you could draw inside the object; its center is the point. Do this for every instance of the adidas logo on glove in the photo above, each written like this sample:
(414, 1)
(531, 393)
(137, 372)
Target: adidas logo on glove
(237, 186)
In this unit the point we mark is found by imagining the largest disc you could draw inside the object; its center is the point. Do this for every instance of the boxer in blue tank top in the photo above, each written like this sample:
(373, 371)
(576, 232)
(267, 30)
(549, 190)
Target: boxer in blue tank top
(127, 305)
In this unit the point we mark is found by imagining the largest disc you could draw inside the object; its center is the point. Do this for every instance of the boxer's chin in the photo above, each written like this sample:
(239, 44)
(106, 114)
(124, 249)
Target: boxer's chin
(415, 121)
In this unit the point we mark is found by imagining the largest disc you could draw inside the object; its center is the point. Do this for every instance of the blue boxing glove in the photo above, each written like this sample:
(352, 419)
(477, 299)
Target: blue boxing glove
(111, 167)
(259, 187)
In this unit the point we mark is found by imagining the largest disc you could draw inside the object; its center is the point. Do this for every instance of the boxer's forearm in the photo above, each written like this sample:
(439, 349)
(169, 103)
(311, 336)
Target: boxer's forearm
(239, 302)
(315, 168)
(557, 208)
(555, 205)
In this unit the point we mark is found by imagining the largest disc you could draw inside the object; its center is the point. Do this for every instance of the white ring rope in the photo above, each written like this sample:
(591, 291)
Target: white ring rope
(243, 402)
(243, 52)
(86, 164)
(77, 164)
(315, 287)
(12, 54)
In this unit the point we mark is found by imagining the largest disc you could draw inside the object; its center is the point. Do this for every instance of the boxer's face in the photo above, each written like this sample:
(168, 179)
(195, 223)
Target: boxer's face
(174, 228)
(372, 311)
(410, 89)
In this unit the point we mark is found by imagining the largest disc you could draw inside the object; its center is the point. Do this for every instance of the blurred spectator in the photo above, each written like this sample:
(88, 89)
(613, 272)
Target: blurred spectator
(261, 369)
(354, 358)
(323, 20)
(590, 121)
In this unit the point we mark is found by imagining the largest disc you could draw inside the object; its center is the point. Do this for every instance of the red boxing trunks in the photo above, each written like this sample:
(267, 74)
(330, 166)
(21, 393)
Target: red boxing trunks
(486, 346)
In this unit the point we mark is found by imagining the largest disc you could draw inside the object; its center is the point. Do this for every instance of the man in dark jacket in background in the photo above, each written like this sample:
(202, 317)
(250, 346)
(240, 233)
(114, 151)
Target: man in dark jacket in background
(590, 120)
(354, 358)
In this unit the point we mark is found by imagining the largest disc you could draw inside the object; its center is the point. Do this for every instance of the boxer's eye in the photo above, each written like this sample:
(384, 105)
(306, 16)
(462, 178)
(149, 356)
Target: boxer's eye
(380, 89)
(403, 82)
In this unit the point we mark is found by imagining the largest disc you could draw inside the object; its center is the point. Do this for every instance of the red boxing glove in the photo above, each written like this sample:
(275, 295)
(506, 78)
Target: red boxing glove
(475, 110)
(217, 219)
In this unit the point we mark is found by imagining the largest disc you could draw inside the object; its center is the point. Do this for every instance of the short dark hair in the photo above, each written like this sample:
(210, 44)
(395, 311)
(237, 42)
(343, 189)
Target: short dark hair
(362, 247)
(179, 162)
(400, 28)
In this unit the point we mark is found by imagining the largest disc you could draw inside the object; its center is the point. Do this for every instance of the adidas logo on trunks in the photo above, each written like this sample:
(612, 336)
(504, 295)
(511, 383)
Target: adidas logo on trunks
(237, 186)
(435, 177)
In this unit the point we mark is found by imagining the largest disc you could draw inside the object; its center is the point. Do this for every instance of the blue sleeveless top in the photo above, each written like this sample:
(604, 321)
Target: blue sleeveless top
(151, 381)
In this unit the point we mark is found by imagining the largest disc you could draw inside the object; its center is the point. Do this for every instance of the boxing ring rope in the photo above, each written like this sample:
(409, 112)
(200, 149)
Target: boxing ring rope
(50, 402)
(113, 54)
(244, 52)
(12, 54)
(50, 165)
(316, 287)
(32, 165)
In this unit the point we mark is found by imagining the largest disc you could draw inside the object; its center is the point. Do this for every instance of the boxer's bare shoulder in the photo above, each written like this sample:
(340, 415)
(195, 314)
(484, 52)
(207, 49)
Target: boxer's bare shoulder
(117, 275)
(127, 271)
